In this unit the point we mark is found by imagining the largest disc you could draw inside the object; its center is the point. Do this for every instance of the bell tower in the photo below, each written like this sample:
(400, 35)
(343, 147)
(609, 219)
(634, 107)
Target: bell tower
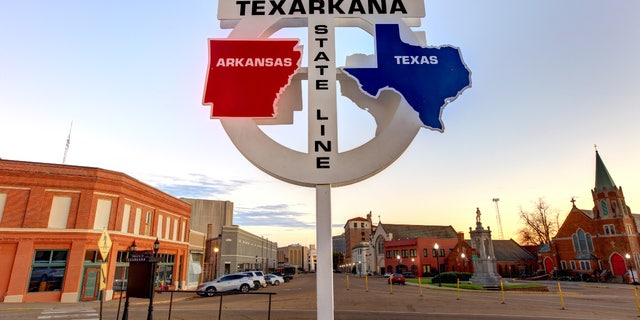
(608, 199)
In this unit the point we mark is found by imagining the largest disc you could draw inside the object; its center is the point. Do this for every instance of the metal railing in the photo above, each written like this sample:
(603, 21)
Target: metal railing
(210, 294)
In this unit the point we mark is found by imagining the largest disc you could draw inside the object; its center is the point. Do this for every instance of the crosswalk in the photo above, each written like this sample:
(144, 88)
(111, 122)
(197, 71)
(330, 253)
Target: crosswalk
(75, 313)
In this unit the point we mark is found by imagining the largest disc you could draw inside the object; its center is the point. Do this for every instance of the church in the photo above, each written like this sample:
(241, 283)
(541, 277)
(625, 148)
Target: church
(597, 244)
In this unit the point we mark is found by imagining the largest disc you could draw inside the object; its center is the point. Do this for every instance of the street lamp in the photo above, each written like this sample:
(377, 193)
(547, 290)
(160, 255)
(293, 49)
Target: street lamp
(125, 312)
(156, 248)
(436, 247)
(413, 265)
(633, 277)
(399, 262)
(215, 264)
(464, 262)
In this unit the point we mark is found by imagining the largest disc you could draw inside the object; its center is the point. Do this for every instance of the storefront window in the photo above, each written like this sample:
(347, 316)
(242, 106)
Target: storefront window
(47, 271)
(164, 277)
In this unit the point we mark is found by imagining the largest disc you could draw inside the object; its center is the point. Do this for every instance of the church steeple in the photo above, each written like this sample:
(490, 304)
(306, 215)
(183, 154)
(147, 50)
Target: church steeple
(603, 178)
(608, 199)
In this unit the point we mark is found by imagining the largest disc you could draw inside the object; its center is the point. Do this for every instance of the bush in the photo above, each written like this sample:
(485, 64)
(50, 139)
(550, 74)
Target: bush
(451, 277)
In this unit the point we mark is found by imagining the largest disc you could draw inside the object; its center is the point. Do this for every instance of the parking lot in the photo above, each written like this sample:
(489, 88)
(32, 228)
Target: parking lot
(373, 298)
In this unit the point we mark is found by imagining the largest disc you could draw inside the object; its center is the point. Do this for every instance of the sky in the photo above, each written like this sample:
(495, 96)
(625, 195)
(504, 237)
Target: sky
(550, 79)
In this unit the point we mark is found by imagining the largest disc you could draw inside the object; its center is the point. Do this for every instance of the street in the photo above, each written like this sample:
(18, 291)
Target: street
(371, 299)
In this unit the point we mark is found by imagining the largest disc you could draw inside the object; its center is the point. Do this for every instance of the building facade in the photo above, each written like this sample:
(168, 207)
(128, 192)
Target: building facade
(413, 247)
(241, 250)
(596, 241)
(208, 217)
(53, 216)
(356, 231)
(293, 258)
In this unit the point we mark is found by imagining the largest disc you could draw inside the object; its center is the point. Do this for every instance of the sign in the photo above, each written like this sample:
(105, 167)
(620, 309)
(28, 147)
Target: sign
(255, 79)
(104, 244)
(103, 276)
(404, 86)
(142, 256)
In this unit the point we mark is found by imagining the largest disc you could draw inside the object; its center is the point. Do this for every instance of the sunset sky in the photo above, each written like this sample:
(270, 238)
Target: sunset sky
(550, 79)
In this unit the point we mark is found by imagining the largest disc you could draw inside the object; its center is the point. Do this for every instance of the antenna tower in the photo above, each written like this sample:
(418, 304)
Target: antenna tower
(66, 147)
(498, 218)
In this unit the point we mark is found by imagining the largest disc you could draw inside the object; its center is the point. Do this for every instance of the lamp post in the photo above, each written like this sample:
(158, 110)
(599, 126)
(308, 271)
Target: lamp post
(633, 277)
(215, 263)
(156, 248)
(398, 265)
(436, 247)
(413, 265)
(464, 262)
(125, 312)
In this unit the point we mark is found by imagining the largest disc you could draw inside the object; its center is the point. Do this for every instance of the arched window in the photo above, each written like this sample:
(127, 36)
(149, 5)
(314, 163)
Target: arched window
(582, 242)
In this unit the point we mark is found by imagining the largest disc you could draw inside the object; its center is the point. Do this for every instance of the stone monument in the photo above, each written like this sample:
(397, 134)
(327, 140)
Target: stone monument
(484, 259)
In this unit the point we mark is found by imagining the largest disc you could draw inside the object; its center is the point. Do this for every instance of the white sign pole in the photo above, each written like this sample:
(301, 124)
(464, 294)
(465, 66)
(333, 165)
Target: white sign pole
(324, 272)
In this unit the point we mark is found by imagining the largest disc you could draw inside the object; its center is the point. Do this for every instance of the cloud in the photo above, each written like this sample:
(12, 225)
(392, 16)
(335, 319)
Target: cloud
(199, 186)
(277, 215)
(194, 185)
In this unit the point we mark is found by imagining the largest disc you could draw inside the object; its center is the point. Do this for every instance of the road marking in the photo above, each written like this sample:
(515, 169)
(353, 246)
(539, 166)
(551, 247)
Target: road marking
(70, 313)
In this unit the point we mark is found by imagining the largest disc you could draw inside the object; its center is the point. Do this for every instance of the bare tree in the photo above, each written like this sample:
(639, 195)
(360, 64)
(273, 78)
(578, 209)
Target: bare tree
(540, 225)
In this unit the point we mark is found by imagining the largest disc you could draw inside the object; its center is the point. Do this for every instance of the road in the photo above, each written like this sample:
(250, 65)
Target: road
(373, 299)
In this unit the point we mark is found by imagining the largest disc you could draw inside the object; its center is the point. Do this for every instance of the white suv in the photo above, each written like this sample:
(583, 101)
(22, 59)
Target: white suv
(258, 278)
(230, 282)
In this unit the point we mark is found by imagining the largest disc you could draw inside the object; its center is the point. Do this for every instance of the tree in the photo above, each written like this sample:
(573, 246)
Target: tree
(540, 225)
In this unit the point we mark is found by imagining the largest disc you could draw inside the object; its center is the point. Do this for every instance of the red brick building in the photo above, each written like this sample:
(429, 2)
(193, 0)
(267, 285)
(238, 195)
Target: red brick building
(356, 231)
(596, 239)
(52, 216)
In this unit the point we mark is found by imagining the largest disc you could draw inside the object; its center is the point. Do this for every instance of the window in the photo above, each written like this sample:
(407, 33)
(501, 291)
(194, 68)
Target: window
(388, 254)
(604, 208)
(59, 213)
(563, 265)
(425, 252)
(103, 214)
(396, 253)
(3, 200)
(125, 218)
(361, 224)
(582, 242)
(159, 227)
(47, 271)
(609, 229)
(573, 265)
(404, 253)
(412, 253)
(136, 223)
(585, 265)
(148, 222)
(355, 224)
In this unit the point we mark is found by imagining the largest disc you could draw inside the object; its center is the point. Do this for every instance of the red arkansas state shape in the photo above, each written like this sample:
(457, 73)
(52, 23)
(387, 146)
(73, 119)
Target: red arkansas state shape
(245, 77)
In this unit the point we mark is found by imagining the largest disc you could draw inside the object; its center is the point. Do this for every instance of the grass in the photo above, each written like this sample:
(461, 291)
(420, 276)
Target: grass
(471, 286)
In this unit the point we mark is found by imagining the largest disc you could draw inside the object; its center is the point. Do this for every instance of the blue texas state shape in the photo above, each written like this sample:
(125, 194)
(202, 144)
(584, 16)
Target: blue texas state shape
(428, 78)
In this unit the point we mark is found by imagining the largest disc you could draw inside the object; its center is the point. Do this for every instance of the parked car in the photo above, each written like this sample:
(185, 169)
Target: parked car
(44, 274)
(230, 282)
(408, 274)
(388, 274)
(273, 279)
(287, 277)
(258, 279)
(397, 278)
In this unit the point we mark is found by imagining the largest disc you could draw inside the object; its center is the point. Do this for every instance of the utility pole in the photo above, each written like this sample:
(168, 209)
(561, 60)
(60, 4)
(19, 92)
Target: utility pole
(498, 218)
